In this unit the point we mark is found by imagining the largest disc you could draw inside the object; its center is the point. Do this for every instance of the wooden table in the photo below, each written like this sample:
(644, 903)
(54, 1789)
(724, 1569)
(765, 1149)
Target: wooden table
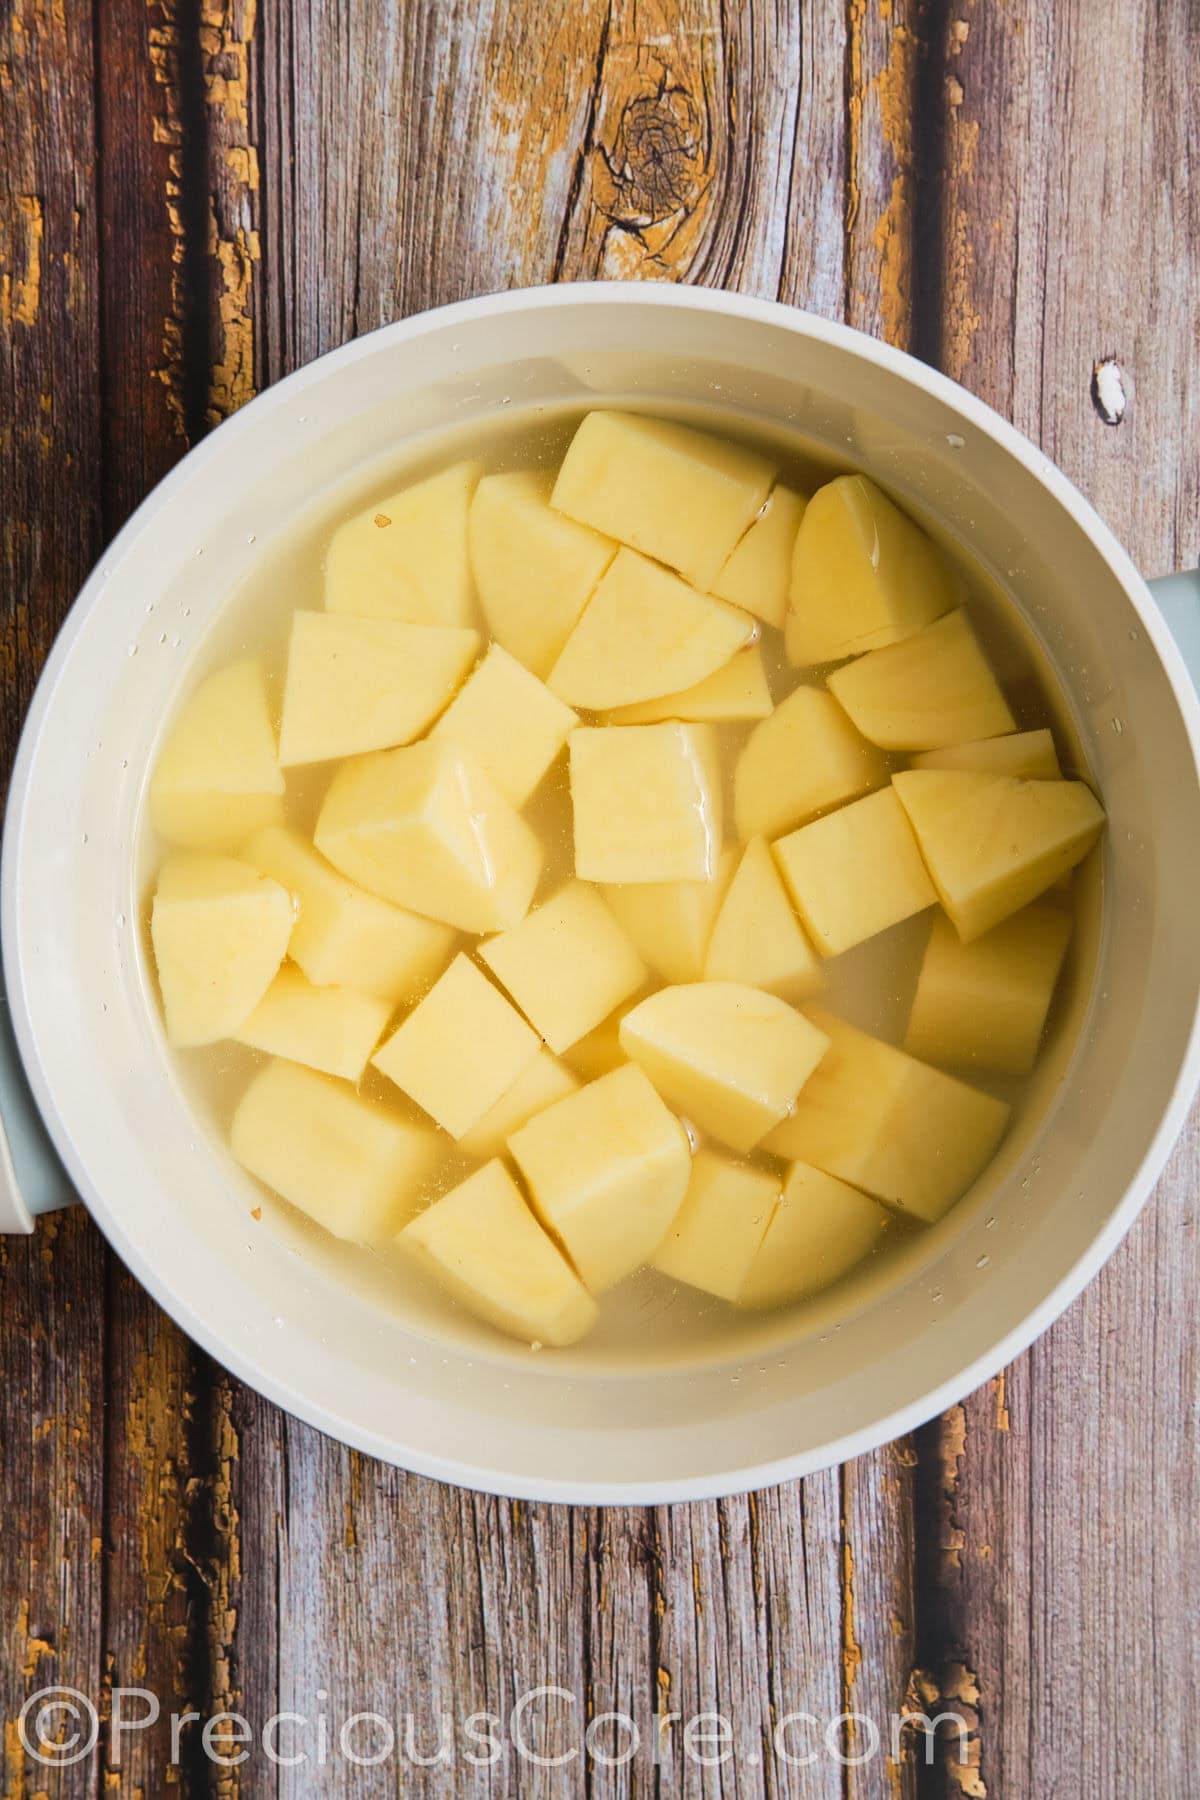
(196, 200)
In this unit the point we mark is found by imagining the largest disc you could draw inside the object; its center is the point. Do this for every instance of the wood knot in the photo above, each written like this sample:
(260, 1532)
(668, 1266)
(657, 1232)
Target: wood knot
(655, 167)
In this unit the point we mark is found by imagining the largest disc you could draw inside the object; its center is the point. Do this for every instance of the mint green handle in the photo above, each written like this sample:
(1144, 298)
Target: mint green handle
(1178, 598)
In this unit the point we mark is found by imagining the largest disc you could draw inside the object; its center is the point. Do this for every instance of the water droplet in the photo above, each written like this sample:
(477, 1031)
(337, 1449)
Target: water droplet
(250, 538)
(955, 441)
(199, 550)
(132, 651)
(163, 638)
(187, 612)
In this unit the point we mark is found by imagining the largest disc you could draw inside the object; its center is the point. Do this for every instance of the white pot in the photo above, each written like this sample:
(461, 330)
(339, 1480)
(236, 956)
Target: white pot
(986, 1282)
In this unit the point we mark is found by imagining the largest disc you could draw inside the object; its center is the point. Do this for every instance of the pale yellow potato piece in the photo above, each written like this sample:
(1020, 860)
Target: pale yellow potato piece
(405, 557)
(863, 575)
(220, 931)
(983, 1005)
(729, 1057)
(757, 938)
(351, 1165)
(931, 689)
(460, 1048)
(855, 872)
(713, 1240)
(425, 828)
(758, 573)
(509, 722)
(534, 569)
(678, 495)
(567, 965)
(671, 922)
(333, 1029)
(993, 843)
(647, 802)
(818, 1232)
(606, 1169)
(343, 936)
(600, 1052)
(645, 633)
(806, 757)
(217, 779)
(543, 1082)
(1027, 753)
(737, 691)
(873, 1116)
(484, 1246)
(355, 685)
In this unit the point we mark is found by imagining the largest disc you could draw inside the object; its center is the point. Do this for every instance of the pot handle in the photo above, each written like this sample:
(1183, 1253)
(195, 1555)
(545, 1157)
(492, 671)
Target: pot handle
(1178, 598)
(32, 1180)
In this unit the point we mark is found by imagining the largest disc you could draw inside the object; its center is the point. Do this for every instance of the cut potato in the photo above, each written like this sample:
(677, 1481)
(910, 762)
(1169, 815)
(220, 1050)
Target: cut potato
(543, 1082)
(931, 689)
(352, 1166)
(607, 1169)
(355, 685)
(567, 965)
(647, 802)
(758, 574)
(460, 1049)
(818, 1232)
(713, 1240)
(807, 756)
(645, 633)
(535, 570)
(509, 722)
(983, 1005)
(678, 495)
(863, 575)
(737, 691)
(1027, 753)
(425, 828)
(729, 1057)
(855, 872)
(671, 922)
(406, 556)
(220, 931)
(757, 938)
(993, 843)
(333, 1029)
(879, 1119)
(484, 1246)
(217, 779)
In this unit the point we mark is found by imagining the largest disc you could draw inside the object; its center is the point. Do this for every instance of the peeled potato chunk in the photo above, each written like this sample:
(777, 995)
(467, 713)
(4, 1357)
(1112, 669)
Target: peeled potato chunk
(484, 1246)
(543, 1082)
(732, 1059)
(351, 1165)
(535, 570)
(873, 1116)
(863, 575)
(333, 1029)
(607, 1169)
(983, 1005)
(406, 556)
(855, 872)
(931, 689)
(567, 965)
(217, 779)
(643, 633)
(220, 931)
(647, 802)
(425, 828)
(757, 938)
(678, 495)
(821, 1228)
(511, 724)
(713, 1239)
(737, 691)
(992, 843)
(807, 756)
(671, 922)
(758, 573)
(1027, 753)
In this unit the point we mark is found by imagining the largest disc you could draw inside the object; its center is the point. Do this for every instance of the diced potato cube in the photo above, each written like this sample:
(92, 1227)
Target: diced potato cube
(729, 1057)
(1027, 753)
(644, 633)
(406, 556)
(220, 931)
(807, 756)
(983, 1005)
(600, 1052)
(931, 689)
(607, 1169)
(714, 1238)
(818, 1232)
(757, 938)
(333, 1029)
(863, 575)
(671, 922)
(879, 1119)
(738, 690)
(855, 872)
(217, 779)
(484, 1246)
(365, 684)
(647, 802)
(343, 936)
(535, 570)
(509, 722)
(678, 495)
(460, 1048)
(993, 843)
(355, 1168)
(425, 828)
(758, 574)
(543, 1082)
(567, 965)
